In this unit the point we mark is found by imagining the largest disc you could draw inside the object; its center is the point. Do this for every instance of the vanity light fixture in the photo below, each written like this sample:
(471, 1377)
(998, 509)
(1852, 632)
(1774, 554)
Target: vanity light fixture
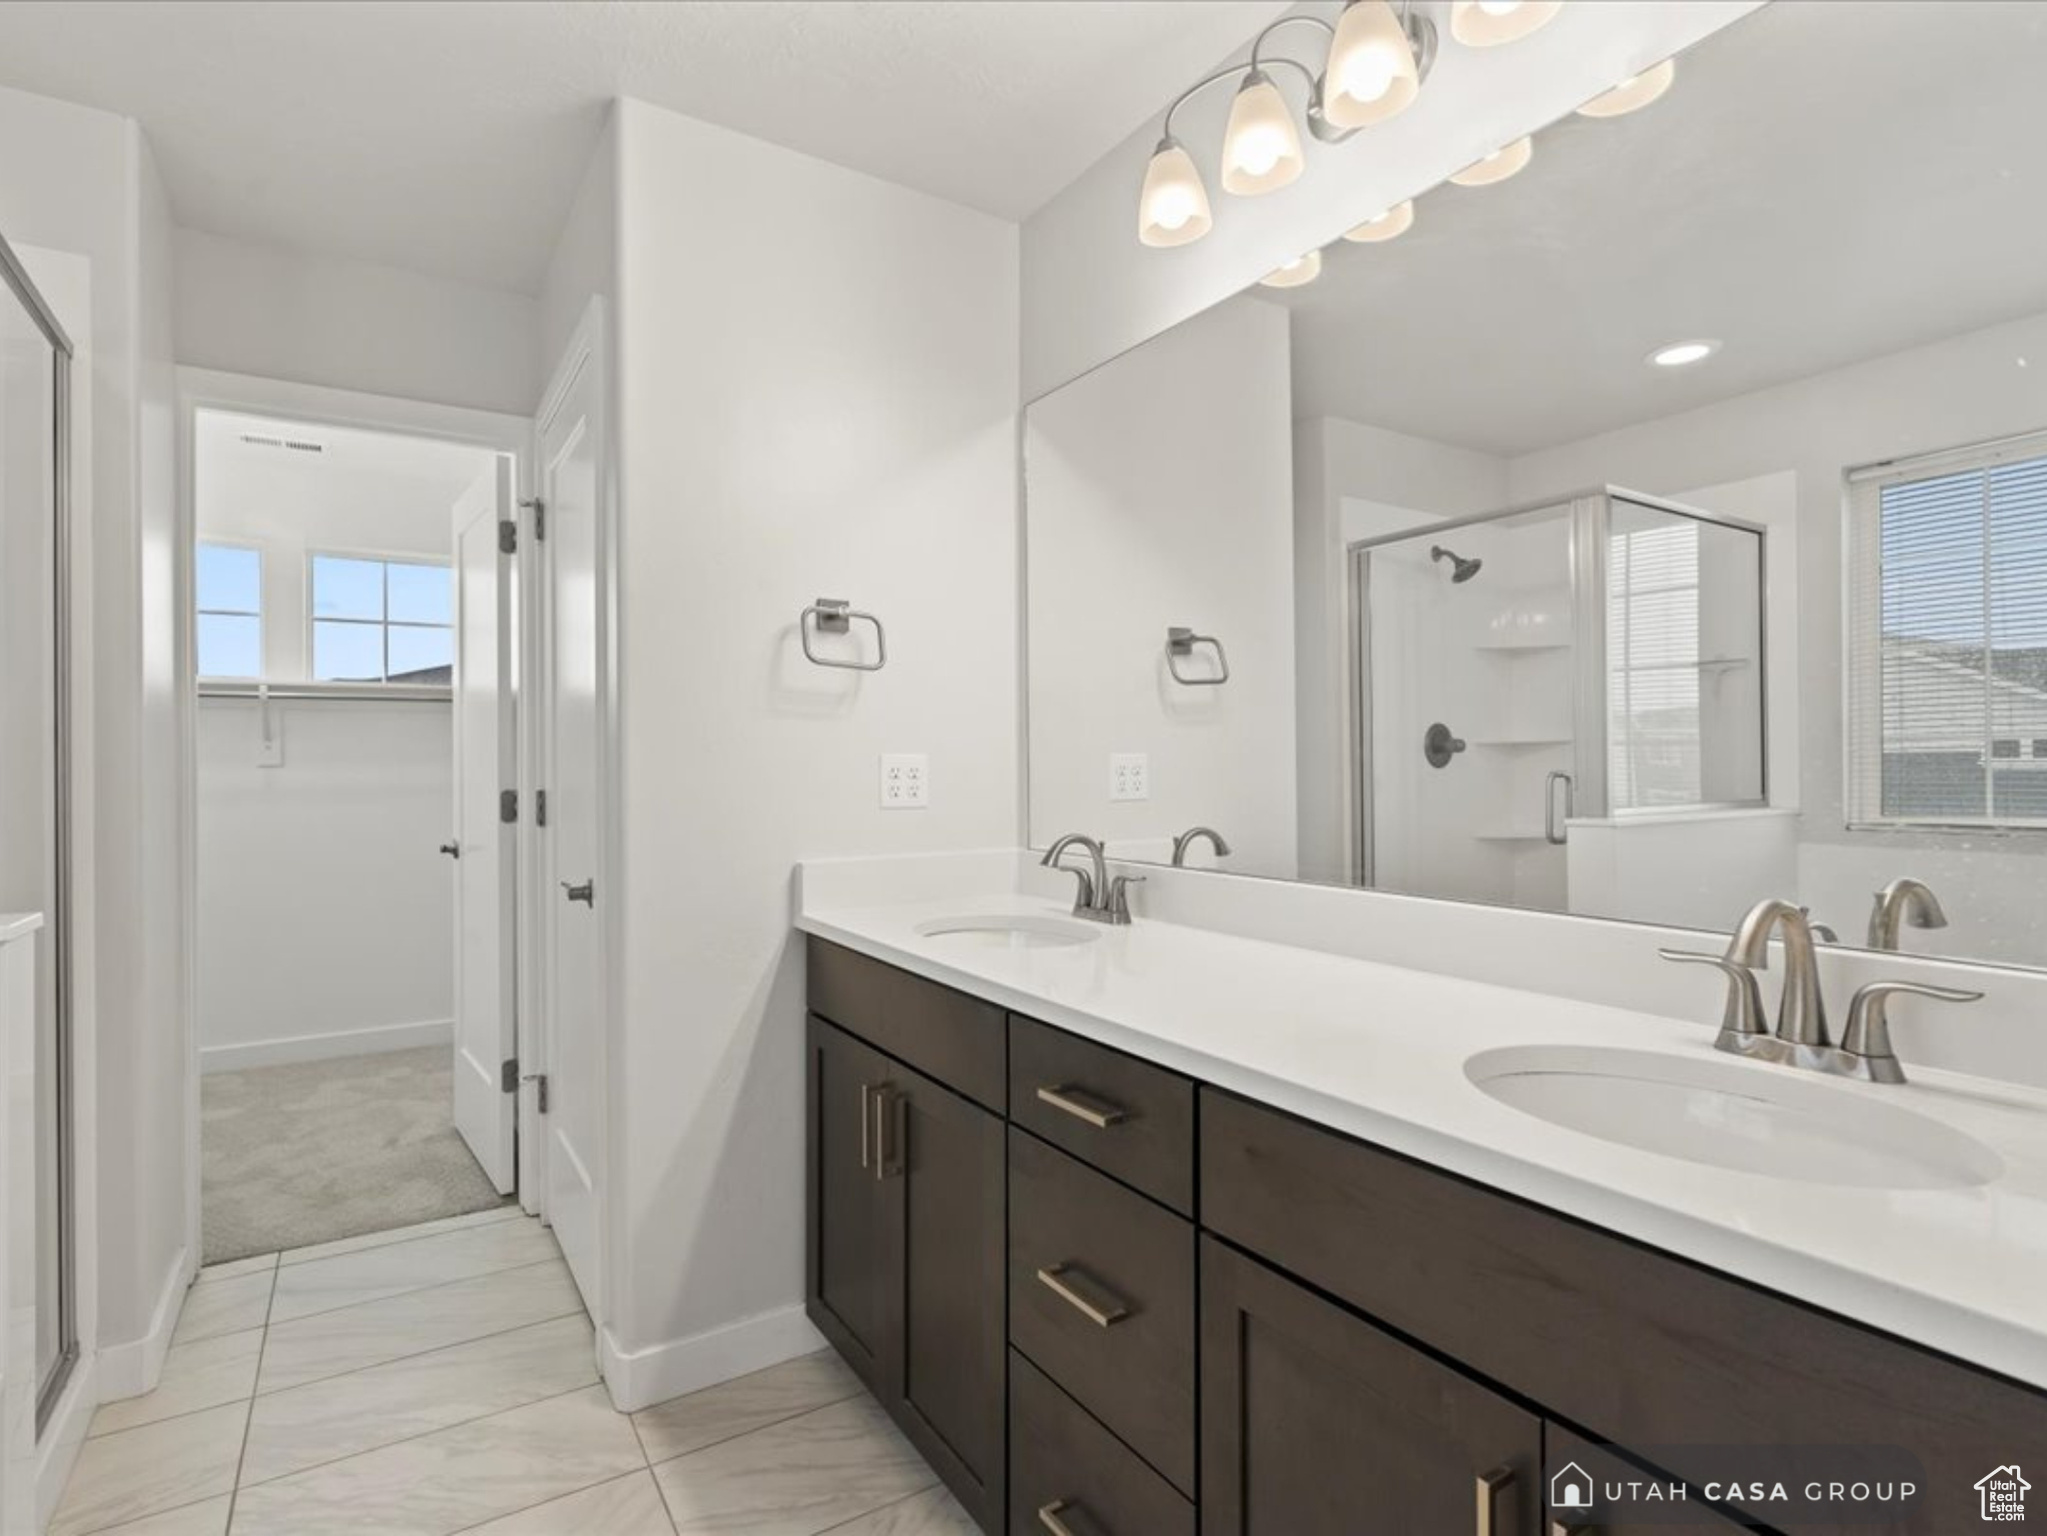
(1488, 23)
(1173, 208)
(1390, 225)
(1680, 354)
(1508, 160)
(1377, 62)
(1633, 93)
(1298, 273)
(1261, 147)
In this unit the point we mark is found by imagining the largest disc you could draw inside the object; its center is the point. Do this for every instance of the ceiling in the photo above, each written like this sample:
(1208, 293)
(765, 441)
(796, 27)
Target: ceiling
(448, 136)
(391, 465)
(1824, 183)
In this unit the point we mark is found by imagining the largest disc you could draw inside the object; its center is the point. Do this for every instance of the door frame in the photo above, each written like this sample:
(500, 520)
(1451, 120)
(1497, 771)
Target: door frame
(584, 353)
(315, 406)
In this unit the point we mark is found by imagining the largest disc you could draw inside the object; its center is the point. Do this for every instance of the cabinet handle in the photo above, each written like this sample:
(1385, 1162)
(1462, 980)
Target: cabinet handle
(1099, 1113)
(1101, 1316)
(1490, 1485)
(888, 1132)
(1560, 1528)
(1048, 1517)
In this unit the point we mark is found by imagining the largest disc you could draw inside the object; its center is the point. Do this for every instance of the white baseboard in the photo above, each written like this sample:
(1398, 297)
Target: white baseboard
(132, 1368)
(63, 1438)
(346, 1042)
(643, 1377)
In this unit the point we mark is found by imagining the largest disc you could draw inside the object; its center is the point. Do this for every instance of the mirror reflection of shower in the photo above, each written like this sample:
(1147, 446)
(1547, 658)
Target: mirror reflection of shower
(1461, 569)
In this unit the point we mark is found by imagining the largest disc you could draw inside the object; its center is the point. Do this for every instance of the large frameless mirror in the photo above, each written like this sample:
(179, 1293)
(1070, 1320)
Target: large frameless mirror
(1657, 528)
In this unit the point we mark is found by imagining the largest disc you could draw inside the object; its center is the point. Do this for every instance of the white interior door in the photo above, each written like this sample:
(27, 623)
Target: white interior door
(575, 894)
(485, 1021)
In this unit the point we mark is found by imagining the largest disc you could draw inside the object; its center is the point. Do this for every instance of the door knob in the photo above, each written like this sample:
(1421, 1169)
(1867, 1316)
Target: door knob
(452, 850)
(586, 892)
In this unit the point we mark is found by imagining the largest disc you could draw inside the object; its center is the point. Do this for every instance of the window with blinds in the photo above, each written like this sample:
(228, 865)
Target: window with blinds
(1652, 678)
(1947, 640)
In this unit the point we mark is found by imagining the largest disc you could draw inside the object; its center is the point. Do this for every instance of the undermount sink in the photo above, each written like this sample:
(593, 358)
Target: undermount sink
(1753, 1119)
(1010, 931)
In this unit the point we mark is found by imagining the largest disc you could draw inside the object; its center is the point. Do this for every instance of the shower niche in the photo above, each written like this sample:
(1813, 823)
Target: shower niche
(1547, 699)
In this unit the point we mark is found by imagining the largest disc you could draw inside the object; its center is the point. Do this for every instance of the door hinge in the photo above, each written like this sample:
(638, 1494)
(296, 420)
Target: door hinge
(539, 509)
(508, 805)
(540, 807)
(539, 1082)
(508, 1076)
(508, 537)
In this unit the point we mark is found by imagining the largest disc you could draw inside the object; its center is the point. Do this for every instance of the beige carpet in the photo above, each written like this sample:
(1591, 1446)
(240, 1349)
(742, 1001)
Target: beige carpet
(318, 1150)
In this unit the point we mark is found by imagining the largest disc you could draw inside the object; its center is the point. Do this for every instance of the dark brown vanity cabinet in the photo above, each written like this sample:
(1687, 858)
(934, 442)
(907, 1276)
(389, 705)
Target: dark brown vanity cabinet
(906, 1250)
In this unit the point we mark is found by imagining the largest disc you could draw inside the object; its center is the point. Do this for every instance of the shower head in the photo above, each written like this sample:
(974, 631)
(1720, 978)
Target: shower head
(1461, 569)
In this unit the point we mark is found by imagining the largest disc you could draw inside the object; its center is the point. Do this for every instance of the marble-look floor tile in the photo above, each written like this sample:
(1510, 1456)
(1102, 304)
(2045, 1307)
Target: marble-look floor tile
(454, 1478)
(231, 1305)
(206, 1518)
(207, 1374)
(152, 1469)
(371, 1274)
(748, 1403)
(345, 1415)
(798, 1478)
(255, 1264)
(398, 1235)
(934, 1512)
(629, 1506)
(354, 1338)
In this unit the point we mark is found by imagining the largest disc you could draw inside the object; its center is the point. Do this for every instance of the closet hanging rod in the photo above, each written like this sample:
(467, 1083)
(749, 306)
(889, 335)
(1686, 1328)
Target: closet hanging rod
(291, 693)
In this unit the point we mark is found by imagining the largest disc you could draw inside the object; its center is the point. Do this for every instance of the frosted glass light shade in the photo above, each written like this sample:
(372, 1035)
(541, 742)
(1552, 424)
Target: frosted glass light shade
(1371, 74)
(1261, 146)
(1173, 207)
(1497, 166)
(1297, 273)
(1633, 93)
(1390, 225)
(1488, 23)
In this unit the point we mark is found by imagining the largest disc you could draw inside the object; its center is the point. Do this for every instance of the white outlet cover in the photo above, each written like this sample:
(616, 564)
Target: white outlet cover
(1129, 776)
(905, 781)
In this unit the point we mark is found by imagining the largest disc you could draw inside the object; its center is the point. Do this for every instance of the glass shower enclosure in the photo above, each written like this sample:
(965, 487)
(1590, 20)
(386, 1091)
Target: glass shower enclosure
(1589, 663)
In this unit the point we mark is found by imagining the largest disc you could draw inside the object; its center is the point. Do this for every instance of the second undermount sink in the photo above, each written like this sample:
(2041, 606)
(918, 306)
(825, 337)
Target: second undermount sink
(1010, 931)
(1753, 1119)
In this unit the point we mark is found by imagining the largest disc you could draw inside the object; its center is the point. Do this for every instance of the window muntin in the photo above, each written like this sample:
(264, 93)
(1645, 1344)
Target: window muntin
(381, 620)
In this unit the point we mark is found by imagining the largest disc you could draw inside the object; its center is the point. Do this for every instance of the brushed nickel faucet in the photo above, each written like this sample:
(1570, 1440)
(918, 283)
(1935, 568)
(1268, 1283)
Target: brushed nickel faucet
(1903, 901)
(1187, 839)
(1100, 898)
(1801, 1038)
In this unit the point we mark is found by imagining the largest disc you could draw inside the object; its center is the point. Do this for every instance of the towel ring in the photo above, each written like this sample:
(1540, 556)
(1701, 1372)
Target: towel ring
(1180, 641)
(835, 616)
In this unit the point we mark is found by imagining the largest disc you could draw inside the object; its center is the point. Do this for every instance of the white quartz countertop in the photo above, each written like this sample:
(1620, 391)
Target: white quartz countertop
(1378, 1052)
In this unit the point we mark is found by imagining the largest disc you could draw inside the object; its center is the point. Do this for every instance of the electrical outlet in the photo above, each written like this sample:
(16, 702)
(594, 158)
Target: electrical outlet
(1129, 776)
(905, 781)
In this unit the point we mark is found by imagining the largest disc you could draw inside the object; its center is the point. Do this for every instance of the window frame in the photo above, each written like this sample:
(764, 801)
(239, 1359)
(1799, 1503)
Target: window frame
(385, 624)
(1862, 635)
(260, 615)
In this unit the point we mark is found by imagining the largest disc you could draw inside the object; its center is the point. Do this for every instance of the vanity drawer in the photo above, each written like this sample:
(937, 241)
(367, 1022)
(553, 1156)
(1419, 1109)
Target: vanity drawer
(1101, 1297)
(1065, 1465)
(958, 1040)
(1132, 1120)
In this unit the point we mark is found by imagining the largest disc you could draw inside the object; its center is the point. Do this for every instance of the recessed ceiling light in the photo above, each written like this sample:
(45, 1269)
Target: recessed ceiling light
(1681, 353)
(1297, 273)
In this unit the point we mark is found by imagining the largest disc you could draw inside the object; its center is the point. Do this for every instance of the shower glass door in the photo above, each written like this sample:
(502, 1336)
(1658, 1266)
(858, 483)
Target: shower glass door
(1468, 663)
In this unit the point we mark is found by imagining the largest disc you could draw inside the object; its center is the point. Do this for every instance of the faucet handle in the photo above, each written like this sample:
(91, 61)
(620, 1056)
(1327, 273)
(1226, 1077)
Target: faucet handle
(1118, 899)
(1743, 1015)
(1869, 1026)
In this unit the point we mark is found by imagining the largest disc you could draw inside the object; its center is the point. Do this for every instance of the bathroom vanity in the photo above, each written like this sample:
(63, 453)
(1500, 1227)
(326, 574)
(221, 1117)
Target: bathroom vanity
(1104, 1293)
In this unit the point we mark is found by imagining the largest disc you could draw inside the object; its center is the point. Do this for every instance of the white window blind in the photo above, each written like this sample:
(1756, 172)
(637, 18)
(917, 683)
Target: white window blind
(1947, 639)
(1652, 679)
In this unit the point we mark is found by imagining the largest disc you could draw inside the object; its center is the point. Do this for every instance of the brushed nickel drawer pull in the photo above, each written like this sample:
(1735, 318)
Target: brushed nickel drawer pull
(1490, 1486)
(1048, 1517)
(1559, 1528)
(1101, 1316)
(1082, 1105)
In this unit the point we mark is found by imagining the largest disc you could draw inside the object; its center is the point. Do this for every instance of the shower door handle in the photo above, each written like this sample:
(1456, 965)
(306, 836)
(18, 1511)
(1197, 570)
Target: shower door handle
(1553, 829)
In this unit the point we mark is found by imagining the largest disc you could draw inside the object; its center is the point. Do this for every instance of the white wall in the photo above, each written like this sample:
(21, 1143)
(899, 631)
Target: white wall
(1091, 291)
(280, 314)
(1160, 490)
(800, 415)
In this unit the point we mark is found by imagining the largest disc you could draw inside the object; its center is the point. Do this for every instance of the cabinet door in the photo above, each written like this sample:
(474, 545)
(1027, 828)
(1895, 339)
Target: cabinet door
(945, 1158)
(854, 1286)
(1316, 1423)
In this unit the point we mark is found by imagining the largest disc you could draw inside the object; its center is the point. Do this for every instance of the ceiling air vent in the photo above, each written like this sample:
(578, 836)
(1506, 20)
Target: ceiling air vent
(296, 444)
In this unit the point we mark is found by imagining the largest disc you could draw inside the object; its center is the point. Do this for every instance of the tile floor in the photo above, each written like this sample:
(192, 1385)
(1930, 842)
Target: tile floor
(441, 1379)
